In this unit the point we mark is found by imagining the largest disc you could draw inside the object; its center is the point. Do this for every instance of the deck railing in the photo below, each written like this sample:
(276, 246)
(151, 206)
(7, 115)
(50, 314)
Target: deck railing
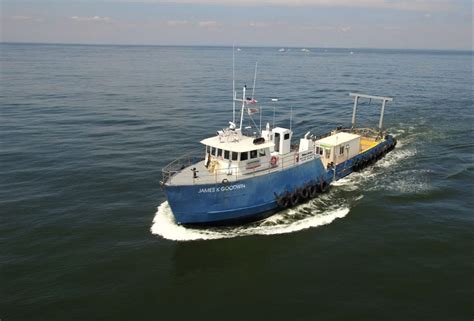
(365, 132)
(231, 174)
(178, 165)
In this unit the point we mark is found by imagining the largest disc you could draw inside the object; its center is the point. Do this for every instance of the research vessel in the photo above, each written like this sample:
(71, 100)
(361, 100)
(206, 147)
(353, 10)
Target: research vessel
(241, 176)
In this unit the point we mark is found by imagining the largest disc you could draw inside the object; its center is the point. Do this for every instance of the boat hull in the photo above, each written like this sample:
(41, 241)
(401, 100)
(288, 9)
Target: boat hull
(255, 198)
(245, 200)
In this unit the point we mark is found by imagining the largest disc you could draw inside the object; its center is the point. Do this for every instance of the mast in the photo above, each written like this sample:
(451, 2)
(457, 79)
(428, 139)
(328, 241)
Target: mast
(243, 107)
(274, 100)
(254, 80)
(233, 84)
(291, 116)
(354, 111)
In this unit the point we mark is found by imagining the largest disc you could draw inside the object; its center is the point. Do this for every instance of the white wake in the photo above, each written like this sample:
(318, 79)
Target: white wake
(165, 226)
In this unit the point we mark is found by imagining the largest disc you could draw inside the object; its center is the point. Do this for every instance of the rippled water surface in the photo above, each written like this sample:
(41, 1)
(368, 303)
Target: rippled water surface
(86, 232)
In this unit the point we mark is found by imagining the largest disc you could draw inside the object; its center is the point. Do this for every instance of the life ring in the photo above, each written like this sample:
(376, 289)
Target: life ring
(393, 144)
(273, 160)
(225, 181)
(294, 199)
(279, 200)
(356, 166)
(324, 187)
(372, 159)
(313, 191)
(304, 192)
(283, 200)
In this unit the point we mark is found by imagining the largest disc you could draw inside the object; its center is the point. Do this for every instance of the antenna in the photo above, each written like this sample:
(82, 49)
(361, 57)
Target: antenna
(233, 83)
(243, 106)
(261, 112)
(254, 80)
(291, 115)
(274, 100)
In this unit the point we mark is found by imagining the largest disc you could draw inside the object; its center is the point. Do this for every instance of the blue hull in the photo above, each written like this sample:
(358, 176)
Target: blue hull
(255, 197)
(242, 200)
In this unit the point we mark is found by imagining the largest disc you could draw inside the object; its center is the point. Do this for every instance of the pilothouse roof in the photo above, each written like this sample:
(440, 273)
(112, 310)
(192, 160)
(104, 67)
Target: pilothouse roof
(337, 139)
(243, 144)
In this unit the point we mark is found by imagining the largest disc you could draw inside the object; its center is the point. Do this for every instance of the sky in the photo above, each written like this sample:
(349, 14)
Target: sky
(415, 24)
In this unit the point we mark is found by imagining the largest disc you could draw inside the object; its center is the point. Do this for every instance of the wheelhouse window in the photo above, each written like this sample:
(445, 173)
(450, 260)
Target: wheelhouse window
(341, 150)
(208, 149)
(244, 156)
(287, 136)
(213, 151)
(219, 152)
(261, 152)
(235, 156)
(226, 154)
(253, 154)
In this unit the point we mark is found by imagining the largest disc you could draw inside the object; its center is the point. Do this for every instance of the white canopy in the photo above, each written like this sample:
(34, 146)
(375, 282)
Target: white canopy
(244, 144)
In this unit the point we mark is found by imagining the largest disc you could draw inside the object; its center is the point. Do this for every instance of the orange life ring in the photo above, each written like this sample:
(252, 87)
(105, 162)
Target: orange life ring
(273, 160)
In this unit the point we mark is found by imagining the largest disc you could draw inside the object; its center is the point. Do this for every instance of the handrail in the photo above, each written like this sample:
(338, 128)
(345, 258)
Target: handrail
(179, 164)
(231, 174)
(367, 131)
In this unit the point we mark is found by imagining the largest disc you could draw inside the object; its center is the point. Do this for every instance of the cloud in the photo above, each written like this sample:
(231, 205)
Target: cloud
(91, 19)
(346, 29)
(258, 24)
(423, 5)
(207, 24)
(21, 18)
(174, 23)
(391, 28)
(313, 28)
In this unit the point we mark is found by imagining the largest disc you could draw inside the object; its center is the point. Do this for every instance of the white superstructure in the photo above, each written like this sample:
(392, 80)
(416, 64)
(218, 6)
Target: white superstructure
(337, 148)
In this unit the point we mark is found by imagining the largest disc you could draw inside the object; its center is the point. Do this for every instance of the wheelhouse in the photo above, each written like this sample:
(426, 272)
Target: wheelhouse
(236, 157)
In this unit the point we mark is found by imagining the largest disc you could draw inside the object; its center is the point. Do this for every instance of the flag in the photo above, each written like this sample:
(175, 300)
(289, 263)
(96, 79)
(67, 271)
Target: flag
(252, 111)
(249, 100)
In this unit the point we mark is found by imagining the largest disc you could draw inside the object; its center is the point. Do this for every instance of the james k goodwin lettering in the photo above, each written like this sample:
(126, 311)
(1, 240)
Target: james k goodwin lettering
(221, 188)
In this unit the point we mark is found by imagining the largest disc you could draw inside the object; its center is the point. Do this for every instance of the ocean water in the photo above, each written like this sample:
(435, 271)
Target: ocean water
(86, 232)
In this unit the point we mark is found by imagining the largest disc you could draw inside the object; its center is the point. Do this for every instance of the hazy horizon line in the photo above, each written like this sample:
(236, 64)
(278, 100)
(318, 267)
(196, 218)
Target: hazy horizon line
(229, 46)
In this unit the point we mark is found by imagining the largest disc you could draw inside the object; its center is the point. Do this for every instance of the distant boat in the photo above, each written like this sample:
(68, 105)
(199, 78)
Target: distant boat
(238, 49)
(352, 52)
(281, 49)
(305, 50)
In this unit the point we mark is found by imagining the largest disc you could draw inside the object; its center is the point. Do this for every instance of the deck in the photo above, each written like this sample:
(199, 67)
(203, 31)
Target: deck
(367, 143)
(185, 175)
